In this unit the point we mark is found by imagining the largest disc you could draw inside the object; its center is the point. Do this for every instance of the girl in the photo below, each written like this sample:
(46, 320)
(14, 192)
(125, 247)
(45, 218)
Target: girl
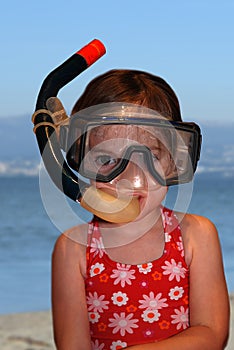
(156, 282)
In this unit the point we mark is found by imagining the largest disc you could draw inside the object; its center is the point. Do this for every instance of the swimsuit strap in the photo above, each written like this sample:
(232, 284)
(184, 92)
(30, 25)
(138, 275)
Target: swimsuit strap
(172, 230)
(94, 234)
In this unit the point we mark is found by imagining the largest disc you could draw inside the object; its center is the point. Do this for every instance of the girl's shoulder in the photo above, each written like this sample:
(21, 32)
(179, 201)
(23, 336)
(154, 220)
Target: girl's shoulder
(195, 224)
(197, 231)
(70, 247)
(76, 234)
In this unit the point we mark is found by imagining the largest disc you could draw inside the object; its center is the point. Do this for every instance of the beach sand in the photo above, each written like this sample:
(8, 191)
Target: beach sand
(26, 331)
(33, 331)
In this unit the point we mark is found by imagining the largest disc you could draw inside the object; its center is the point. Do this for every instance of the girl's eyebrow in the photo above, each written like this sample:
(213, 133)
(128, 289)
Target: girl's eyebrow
(104, 151)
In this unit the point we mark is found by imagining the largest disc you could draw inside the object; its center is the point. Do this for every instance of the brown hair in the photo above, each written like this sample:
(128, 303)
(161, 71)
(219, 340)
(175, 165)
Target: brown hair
(132, 86)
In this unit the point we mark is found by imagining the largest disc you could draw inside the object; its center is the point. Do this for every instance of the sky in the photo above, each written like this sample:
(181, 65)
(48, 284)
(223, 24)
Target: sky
(188, 43)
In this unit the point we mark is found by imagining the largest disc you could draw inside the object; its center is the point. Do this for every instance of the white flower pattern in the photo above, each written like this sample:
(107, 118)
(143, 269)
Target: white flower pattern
(96, 303)
(180, 318)
(150, 316)
(176, 293)
(93, 317)
(145, 268)
(96, 346)
(119, 298)
(152, 302)
(96, 269)
(123, 274)
(145, 301)
(174, 270)
(97, 247)
(123, 323)
(117, 345)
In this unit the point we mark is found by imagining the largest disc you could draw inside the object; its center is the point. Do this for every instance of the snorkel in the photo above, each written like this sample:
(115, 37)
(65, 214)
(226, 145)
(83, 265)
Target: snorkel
(109, 208)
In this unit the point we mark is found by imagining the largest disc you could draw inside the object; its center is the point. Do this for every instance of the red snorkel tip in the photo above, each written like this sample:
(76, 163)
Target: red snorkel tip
(92, 51)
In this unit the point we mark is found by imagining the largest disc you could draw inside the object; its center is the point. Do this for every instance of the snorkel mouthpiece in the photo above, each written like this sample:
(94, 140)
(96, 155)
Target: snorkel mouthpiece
(110, 208)
(105, 206)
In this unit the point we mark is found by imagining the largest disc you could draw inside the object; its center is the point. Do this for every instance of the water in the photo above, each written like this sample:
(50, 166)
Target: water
(27, 236)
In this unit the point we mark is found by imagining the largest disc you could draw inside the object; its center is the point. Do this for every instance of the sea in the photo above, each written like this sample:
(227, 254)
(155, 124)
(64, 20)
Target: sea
(33, 213)
(28, 231)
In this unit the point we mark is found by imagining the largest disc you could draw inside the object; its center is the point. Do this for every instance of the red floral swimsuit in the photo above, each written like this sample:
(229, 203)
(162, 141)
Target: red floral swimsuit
(136, 304)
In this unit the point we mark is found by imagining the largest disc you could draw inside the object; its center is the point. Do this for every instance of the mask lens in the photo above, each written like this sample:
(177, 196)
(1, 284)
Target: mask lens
(104, 148)
(109, 148)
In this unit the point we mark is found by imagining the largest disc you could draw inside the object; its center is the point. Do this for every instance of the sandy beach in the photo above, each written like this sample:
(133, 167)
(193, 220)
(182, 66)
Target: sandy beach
(33, 331)
(26, 331)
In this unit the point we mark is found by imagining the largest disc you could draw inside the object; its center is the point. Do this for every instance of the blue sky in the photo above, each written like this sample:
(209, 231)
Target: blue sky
(188, 43)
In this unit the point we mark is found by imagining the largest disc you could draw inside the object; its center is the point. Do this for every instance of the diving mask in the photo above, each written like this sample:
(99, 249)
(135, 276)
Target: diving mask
(103, 140)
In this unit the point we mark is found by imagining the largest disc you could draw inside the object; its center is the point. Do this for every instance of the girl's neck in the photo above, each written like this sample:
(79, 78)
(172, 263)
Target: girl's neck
(114, 235)
(146, 247)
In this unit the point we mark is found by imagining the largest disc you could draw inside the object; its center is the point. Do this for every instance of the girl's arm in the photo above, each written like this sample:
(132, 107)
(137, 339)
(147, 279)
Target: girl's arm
(209, 302)
(70, 316)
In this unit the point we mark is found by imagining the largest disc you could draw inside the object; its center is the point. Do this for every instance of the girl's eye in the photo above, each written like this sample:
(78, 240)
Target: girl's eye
(155, 155)
(105, 160)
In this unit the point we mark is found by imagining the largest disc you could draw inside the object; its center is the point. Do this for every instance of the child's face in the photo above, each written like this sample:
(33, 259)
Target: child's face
(107, 146)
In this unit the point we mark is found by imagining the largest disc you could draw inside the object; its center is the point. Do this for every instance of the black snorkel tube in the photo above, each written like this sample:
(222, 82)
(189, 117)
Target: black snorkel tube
(98, 202)
(44, 128)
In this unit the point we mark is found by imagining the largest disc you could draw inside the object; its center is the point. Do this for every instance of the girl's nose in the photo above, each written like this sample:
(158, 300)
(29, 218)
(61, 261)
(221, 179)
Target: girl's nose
(134, 176)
